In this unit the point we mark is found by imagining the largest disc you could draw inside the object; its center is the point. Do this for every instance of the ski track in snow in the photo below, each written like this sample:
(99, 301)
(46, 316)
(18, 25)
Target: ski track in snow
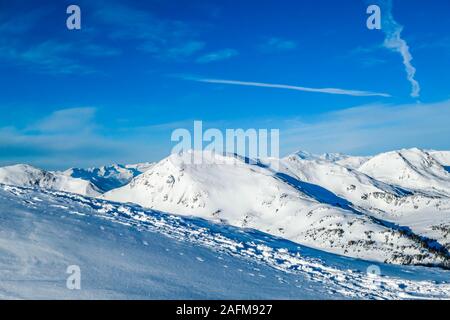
(345, 276)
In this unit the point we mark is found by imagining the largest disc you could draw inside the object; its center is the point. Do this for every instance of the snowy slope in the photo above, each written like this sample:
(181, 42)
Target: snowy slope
(332, 157)
(425, 214)
(443, 157)
(27, 176)
(351, 187)
(413, 169)
(312, 199)
(344, 182)
(124, 251)
(247, 195)
(140, 167)
(352, 162)
(109, 177)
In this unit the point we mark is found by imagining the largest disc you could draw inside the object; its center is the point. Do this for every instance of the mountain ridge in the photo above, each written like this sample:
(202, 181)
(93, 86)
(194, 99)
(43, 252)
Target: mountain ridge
(315, 200)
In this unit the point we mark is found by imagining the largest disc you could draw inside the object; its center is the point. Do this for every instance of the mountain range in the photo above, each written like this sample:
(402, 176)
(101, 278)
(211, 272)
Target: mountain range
(393, 207)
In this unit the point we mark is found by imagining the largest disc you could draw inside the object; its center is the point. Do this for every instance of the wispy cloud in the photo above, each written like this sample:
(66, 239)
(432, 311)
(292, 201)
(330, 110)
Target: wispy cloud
(52, 54)
(395, 42)
(356, 93)
(187, 49)
(64, 135)
(19, 23)
(95, 50)
(177, 52)
(47, 57)
(277, 44)
(161, 37)
(370, 129)
(366, 56)
(217, 56)
(433, 44)
(73, 137)
(65, 120)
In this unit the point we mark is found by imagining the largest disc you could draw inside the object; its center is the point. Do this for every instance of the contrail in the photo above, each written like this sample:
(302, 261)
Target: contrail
(394, 42)
(356, 93)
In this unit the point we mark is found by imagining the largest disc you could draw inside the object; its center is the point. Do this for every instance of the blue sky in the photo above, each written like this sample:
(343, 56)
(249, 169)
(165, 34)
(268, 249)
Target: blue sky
(114, 90)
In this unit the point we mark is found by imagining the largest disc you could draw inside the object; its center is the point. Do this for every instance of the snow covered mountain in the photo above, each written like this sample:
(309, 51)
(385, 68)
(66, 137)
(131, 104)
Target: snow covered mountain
(352, 162)
(349, 184)
(27, 176)
(109, 177)
(305, 155)
(245, 195)
(127, 252)
(393, 207)
(140, 167)
(425, 214)
(443, 157)
(413, 169)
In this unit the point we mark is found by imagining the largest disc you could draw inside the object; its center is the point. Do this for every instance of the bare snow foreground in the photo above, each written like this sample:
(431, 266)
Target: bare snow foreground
(125, 251)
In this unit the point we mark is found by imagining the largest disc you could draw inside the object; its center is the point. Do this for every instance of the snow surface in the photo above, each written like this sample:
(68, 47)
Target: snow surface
(424, 214)
(28, 176)
(293, 206)
(414, 169)
(110, 177)
(352, 162)
(393, 207)
(127, 252)
(443, 157)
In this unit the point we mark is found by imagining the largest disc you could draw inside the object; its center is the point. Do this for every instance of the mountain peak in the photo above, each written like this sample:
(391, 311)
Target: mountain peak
(24, 175)
(332, 157)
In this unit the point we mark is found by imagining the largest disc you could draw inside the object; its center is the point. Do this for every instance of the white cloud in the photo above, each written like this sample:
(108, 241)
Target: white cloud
(162, 38)
(217, 56)
(66, 120)
(394, 41)
(50, 54)
(356, 93)
(278, 44)
(73, 137)
(370, 129)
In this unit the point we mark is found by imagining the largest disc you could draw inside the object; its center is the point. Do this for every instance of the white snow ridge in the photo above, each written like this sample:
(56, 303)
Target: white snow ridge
(27, 176)
(308, 228)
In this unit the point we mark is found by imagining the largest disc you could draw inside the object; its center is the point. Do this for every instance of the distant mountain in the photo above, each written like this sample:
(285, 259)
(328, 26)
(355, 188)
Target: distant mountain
(392, 207)
(140, 167)
(109, 177)
(305, 155)
(443, 157)
(352, 162)
(27, 176)
(244, 195)
(425, 213)
(342, 181)
(413, 169)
